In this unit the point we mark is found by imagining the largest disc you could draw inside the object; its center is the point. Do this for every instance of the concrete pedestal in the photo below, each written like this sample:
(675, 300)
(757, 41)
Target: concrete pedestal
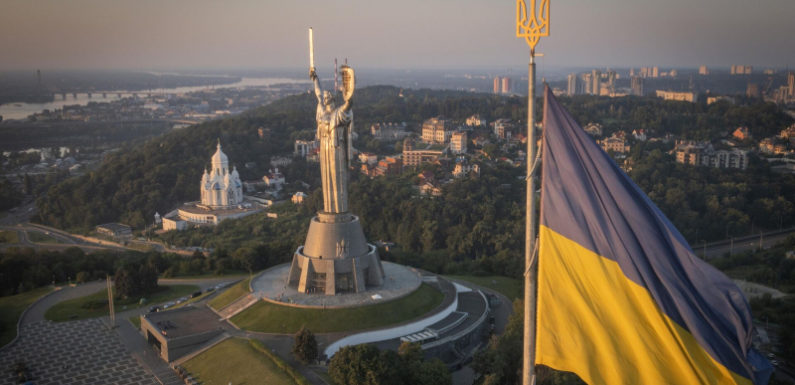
(335, 258)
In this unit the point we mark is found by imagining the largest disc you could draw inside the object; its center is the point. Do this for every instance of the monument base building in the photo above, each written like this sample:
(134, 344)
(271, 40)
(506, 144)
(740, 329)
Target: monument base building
(335, 258)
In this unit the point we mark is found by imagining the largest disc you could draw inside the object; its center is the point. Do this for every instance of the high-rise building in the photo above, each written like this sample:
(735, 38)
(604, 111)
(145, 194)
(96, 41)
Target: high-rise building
(703, 70)
(596, 78)
(650, 72)
(573, 84)
(506, 85)
(587, 84)
(741, 70)
(752, 91)
(496, 84)
(791, 84)
(637, 85)
(611, 82)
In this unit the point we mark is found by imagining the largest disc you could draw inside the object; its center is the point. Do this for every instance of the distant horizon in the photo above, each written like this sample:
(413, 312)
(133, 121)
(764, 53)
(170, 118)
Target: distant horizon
(229, 70)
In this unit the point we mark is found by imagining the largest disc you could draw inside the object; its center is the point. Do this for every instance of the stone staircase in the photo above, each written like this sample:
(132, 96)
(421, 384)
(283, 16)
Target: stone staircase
(168, 377)
(239, 305)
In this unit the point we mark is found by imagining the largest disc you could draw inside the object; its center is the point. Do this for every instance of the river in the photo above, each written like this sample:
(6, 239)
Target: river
(23, 110)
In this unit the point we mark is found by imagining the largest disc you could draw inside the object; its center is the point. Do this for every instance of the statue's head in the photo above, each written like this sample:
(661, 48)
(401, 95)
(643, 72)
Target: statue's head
(328, 100)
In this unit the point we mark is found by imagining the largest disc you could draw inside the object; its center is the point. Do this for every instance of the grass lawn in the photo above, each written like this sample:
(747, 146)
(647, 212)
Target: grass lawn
(230, 294)
(227, 274)
(509, 287)
(11, 308)
(136, 320)
(272, 318)
(235, 361)
(96, 305)
(37, 237)
(9, 237)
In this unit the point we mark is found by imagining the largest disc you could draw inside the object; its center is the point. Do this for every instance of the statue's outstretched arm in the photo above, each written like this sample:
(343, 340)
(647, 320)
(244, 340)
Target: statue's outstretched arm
(316, 81)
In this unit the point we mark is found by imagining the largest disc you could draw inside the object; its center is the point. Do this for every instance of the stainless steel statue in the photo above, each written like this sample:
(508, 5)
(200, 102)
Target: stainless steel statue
(334, 126)
(336, 257)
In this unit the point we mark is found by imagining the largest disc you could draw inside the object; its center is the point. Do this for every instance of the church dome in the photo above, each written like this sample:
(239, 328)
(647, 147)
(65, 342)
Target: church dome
(219, 158)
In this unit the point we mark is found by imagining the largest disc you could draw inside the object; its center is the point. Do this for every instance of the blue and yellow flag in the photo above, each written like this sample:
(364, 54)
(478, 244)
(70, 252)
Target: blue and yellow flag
(622, 299)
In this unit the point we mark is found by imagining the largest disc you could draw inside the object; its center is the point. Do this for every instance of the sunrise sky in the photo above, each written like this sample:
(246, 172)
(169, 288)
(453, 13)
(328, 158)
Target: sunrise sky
(163, 34)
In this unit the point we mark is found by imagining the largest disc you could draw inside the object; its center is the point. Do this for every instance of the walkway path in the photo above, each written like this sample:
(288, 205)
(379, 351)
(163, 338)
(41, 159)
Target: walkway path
(122, 356)
(36, 311)
(77, 352)
(87, 351)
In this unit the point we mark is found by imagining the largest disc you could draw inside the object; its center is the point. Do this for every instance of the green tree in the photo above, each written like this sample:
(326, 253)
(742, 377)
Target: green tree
(420, 372)
(125, 282)
(135, 279)
(305, 346)
(363, 365)
(82, 276)
(501, 361)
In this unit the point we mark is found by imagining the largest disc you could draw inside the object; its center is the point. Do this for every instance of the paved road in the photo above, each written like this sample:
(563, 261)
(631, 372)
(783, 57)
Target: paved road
(36, 311)
(741, 244)
(465, 376)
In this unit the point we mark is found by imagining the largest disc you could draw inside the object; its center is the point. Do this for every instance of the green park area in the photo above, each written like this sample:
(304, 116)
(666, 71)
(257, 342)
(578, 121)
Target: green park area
(9, 237)
(239, 361)
(37, 237)
(509, 287)
(136, 321)
(11, 308)
(230, 295)
(96, 305)
(268, 317)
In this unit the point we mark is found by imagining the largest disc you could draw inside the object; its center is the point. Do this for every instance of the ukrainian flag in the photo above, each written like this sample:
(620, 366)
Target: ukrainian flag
(622, 299)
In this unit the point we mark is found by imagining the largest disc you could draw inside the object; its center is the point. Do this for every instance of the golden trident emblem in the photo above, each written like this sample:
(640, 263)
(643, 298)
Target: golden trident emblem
(536, 25)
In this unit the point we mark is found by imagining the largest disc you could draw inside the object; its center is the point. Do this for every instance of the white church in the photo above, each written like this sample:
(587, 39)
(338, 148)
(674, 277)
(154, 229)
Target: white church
(221, 198)
(219, 187)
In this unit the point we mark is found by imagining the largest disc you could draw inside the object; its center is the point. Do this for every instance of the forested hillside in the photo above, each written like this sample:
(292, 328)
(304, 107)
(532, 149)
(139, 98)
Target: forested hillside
(134, 183)
(477, 218)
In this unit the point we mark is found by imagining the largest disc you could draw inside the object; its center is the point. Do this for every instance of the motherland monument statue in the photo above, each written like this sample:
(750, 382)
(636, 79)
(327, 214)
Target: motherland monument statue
(334, 127)
(335, 258)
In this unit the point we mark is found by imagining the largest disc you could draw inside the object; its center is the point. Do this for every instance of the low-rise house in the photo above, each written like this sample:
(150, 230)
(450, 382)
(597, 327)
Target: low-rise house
(299, 197)
(274, 179)
(615, 143)
(741, 133)
(595, 129)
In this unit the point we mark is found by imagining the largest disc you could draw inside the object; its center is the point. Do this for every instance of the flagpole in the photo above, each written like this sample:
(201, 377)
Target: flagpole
(531, 24)
(528, 360)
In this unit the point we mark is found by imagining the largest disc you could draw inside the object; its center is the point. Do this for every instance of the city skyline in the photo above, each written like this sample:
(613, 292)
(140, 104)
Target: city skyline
(93, 34)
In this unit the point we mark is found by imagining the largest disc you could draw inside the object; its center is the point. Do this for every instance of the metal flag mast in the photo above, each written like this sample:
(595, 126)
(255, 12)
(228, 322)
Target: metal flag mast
(532, 26)
(112, 311)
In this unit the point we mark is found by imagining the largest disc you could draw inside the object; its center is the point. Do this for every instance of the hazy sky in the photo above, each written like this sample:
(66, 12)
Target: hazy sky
(162, 34)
